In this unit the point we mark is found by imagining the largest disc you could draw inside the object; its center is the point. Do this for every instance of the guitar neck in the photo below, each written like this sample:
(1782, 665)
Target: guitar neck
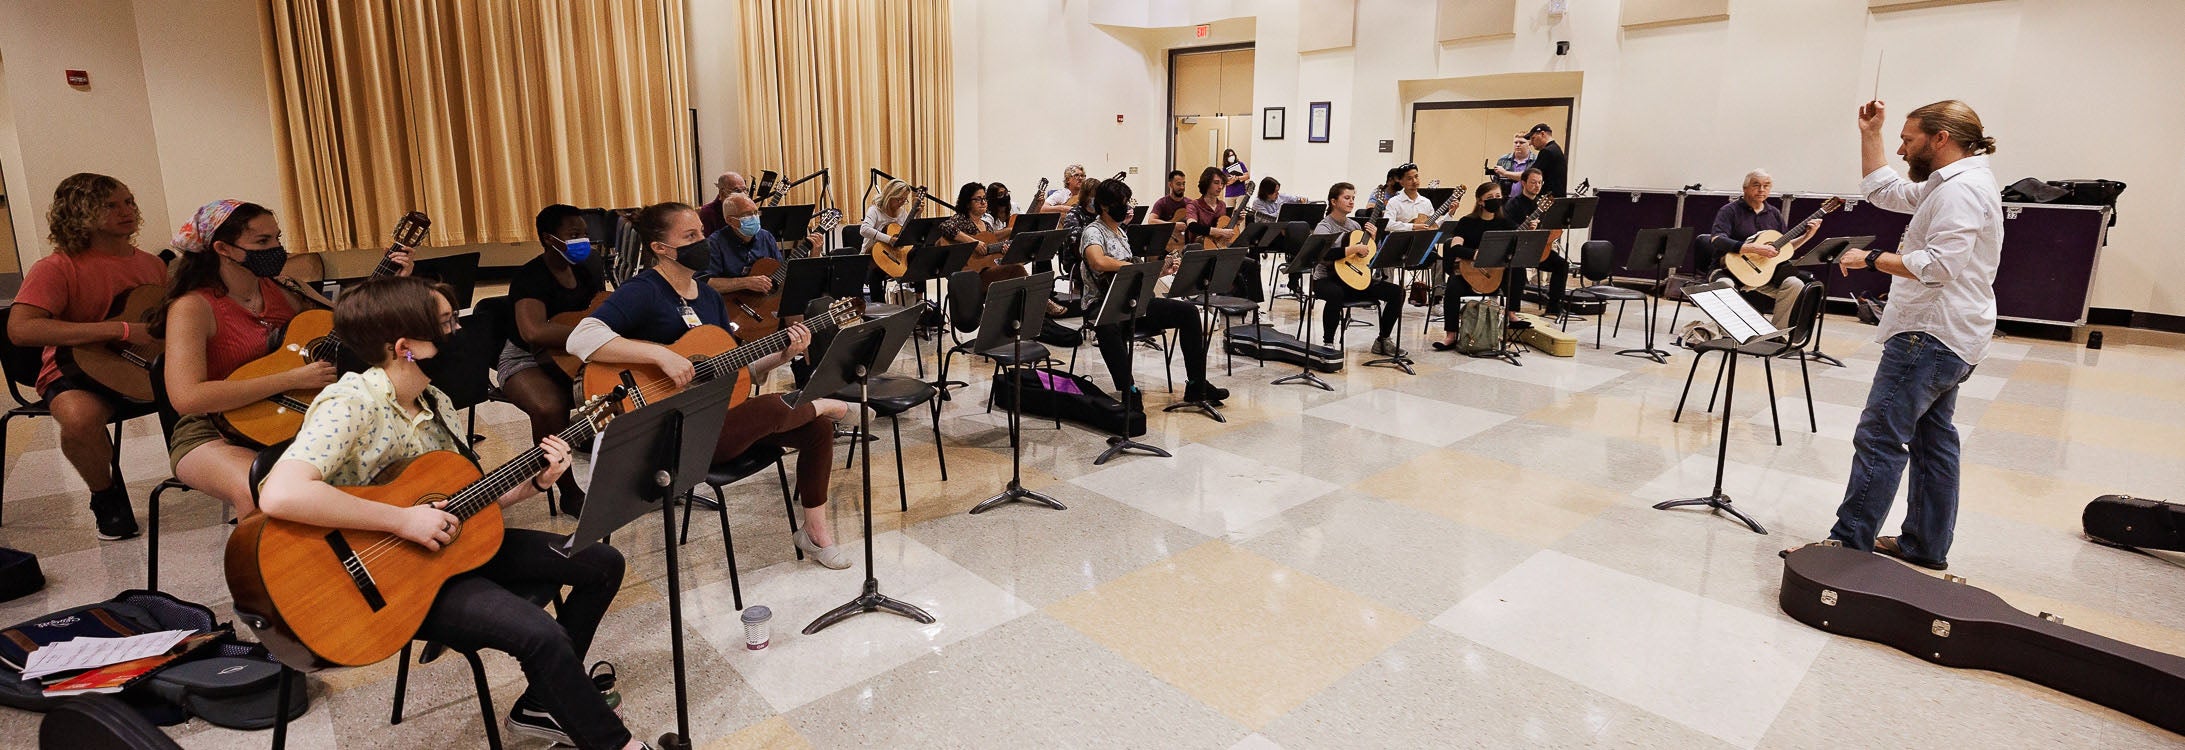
(1798, 231)
(742, 356)
(387, 266)
(489, 488)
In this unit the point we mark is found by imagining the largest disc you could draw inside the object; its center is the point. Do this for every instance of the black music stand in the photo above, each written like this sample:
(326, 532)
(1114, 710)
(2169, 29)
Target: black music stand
(928, 264)
(1741, 324)
(1026, 248)
(1316, 248)
(1825, 254)
(1129, 292)
(840, 276)
(788, 224)
(1138, 214)
(1284, 237)
(1041, 222)
(1650, 251)
(1015, 310)
(1566, 214)
(1201, 276)
(856, 354)
(1310, 213)
(1403, 251)
(643, 461)
(1148, 240)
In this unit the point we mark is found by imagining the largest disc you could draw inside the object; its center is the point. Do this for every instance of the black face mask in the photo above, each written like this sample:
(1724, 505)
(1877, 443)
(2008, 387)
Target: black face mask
(1118, 212)
(694, 256)
(267, 263)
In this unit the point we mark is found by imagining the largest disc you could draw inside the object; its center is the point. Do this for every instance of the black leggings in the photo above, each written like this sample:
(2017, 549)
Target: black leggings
(1161, 313)
(1333, 294)
(1513, 290)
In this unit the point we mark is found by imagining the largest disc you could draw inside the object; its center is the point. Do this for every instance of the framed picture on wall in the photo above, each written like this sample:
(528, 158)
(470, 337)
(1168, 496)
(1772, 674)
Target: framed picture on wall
(1316, 126)
(1270, 123)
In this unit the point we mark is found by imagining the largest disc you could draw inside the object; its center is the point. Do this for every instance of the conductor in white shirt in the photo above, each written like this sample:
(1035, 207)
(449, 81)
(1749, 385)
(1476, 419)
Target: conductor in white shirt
(1936, 329)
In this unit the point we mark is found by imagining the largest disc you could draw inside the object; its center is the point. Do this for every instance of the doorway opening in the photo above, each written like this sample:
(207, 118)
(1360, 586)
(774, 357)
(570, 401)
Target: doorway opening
(1456, 141)
(1209, 109)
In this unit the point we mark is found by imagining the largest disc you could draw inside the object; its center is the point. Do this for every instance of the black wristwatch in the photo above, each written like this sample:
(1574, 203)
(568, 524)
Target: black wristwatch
(1874, 266)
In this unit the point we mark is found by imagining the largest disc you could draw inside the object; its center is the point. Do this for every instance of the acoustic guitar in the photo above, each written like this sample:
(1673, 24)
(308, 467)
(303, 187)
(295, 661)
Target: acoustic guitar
(713, 352)
(1752, 270)
(320, 597)
(561, 358)
(308, 338)
(1356, 271)
(759, 313)
(118, 369)
(892, 260)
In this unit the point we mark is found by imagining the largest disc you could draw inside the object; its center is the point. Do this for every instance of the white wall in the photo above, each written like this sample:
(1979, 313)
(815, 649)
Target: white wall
(178, 107)
(711, 28)
(2069, 89)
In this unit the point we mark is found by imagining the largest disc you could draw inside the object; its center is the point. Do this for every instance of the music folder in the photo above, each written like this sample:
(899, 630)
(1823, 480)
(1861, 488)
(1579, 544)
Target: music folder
(1720, 301)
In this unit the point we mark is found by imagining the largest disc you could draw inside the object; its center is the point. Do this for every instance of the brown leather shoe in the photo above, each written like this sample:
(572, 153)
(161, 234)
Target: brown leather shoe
(1888, 546)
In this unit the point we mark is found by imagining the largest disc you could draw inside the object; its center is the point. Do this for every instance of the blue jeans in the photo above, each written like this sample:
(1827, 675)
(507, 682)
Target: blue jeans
(1907, 420)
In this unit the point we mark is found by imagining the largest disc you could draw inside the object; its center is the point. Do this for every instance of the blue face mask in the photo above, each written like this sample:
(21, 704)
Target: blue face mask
(749, 226)
(576, 250)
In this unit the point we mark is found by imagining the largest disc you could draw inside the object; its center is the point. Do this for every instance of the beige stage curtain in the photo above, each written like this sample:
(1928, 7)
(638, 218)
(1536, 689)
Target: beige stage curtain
(850, 85)
(477, 112)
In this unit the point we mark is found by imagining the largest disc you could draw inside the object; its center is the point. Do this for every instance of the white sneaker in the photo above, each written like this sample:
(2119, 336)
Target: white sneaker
(835, 558)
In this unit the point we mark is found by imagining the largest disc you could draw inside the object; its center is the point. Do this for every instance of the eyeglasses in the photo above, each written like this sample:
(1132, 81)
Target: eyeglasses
(450, 324)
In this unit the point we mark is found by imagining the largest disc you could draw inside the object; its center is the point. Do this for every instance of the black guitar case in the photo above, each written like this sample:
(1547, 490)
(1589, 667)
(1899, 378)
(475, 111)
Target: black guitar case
(98, 722)
(1949, 622)
(1055, 394)
(1265, 342)
(2127, 521)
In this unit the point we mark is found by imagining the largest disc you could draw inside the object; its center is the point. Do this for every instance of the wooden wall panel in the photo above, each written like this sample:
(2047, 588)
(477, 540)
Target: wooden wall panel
(1326, 24)
(1469, 20)
(1641, 14)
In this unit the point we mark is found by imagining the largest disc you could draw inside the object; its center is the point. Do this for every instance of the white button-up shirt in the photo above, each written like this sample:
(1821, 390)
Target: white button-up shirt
(1952, 245)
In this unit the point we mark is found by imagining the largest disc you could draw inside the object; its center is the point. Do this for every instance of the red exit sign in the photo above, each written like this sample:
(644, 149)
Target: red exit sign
(1202, 31)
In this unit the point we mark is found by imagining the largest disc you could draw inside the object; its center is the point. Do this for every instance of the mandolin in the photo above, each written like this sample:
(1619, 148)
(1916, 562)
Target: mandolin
(759, 313)
(892, 260)
(1752, 270)
(308, 338)
(320, 597)
(714, 351)
(117, 369)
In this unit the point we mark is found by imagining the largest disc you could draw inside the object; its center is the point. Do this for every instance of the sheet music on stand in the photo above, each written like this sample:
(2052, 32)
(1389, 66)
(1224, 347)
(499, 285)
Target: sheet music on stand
(1737, 317)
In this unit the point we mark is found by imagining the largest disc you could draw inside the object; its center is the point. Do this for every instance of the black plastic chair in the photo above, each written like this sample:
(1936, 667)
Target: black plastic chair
(1806, 313)
(21, 364)
(259, 468)
(167, 420)
(1596, 263)
(729, 472)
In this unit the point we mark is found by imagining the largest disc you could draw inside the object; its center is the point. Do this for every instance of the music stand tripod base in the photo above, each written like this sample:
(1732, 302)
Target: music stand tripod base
(1400, 362)
(1720, 503)
(1017, 493)
(869, 601)
(1117, 445)
(1202, 407)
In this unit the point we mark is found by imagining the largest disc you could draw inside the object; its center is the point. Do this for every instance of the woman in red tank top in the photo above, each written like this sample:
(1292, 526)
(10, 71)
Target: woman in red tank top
(224, 310)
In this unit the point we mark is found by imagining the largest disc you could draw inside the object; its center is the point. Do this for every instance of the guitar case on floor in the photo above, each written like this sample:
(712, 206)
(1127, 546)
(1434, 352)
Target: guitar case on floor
(1055, 394)
(2127, 521)
(1265, 342)
(1949, 622)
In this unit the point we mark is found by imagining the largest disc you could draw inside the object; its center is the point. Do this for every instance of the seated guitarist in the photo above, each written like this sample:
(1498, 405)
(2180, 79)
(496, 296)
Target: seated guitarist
(549, 285)
(372, 420)
(1519, 208)
(224, 310)
(965, 226)
(892, 207)
(736, 246)
(1486, 216)
(656, 307)
(64, 301)
(1106, 250)
(1333, 293)
(1208, 210)
(1752, 214)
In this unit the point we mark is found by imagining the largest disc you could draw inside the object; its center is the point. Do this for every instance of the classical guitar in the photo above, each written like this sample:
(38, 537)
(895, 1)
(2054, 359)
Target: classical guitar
(308, 338)
(1752, 270)
(759, 313)
(118, 369)
(320, 597)
(561, 359)
(1356, 271)
(1488, 280)
(714, 352)
(894, 260)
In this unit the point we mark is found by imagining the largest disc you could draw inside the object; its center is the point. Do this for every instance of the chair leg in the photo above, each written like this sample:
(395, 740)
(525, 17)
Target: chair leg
(485, 700)
(402, 681)
(940, 451)
(1717, 392)
(902, 489)
(788, 501)
(1620, 315)
(553, 507)
(1767, 365)
(1806, 376)
(1687, 385)
(116, 463)
(280, 716)
(688, 501)
(151, 538)
(4, 452)
(728, 548)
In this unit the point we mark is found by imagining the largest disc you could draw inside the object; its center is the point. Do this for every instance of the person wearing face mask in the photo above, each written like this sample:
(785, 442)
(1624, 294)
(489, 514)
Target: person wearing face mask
(735, 246)
(1486, 216)
(554, 283)
(225, 309)
(64, 302)
(658, 306)
(369, 421)
(1106, 250)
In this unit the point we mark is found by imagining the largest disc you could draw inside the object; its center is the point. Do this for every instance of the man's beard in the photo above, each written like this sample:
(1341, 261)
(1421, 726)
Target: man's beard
(1922, 166)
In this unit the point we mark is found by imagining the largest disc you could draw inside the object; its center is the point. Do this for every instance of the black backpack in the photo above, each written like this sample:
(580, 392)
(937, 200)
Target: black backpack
(229, 683)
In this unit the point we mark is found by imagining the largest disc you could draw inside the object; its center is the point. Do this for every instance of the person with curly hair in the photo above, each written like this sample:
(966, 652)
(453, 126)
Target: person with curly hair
(64, 302)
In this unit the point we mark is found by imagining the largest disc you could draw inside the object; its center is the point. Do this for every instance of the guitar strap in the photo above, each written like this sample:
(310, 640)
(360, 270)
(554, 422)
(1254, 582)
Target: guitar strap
(461, 439)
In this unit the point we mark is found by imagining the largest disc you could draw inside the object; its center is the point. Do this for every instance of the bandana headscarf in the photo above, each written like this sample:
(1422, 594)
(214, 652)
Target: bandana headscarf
(196, 235)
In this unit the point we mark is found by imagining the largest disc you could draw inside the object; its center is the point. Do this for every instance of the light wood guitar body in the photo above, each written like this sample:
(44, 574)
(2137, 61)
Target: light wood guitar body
(113, 368)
